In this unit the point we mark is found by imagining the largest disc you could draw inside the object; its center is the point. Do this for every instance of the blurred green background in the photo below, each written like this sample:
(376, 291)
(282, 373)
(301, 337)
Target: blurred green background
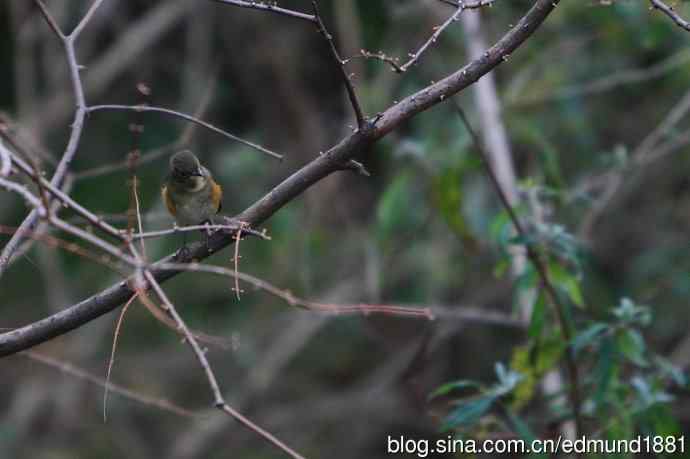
(425, 229)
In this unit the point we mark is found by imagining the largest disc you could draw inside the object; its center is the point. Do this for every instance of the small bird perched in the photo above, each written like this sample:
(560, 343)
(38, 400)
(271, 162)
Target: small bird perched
(189, 192)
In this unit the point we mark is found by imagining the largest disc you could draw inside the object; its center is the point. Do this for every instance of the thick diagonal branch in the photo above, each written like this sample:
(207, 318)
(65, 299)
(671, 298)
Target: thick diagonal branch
(333, 160)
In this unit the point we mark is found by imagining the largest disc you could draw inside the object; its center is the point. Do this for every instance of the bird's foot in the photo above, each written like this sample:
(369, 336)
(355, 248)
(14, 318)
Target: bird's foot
(183, 254)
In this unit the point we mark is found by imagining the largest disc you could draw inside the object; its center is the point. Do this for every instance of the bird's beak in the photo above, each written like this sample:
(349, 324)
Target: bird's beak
(197, 173)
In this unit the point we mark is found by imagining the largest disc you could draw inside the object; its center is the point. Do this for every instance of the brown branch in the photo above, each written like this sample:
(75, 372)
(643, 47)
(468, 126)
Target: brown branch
(200, 354)
(542, 271)
(184, 116)
(292, 300)
(438, 30)
(111, 361)
(347, 80)
(68, 368)
(671, 13)
(350, 147)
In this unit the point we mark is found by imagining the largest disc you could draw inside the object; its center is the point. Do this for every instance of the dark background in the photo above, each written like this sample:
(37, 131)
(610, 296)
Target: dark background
(417, 232)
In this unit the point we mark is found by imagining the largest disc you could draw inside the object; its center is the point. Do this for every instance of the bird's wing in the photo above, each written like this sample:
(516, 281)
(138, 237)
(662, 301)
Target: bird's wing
(216, 195)
(168, 202)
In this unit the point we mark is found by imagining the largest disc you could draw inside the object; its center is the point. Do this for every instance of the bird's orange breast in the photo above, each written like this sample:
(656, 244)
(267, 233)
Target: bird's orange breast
(216, 195)
(169, 203)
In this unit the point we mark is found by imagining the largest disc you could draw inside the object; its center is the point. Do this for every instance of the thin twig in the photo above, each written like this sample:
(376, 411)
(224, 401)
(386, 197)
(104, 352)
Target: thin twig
(71, 247)
(76, 126)
(111, 361)
(156, 153)
(271, 7)
(615, 181)
(236, 262)
(121, 165)
(671, 13)
(347, 79)
(219, 401)
(40, 210)
(66, 200)
(292, 300)
(50, 20)
(181, 229)
(468, 5)
(606, 83)
(85, 20)
(184, 116)
(438, 30)
(542, 271)
(68, 368)
(20, 189)
(168, 307)
(331, 161)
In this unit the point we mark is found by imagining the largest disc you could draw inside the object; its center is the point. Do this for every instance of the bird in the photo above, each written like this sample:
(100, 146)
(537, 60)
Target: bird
(189, 191)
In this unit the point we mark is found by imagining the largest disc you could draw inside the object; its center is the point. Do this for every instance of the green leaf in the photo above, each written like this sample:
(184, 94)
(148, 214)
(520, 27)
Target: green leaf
(664, 423)
(632, 346)
(550, 352)
(522, 429)
(468, 412)
(674, 372)
(536, 323)
(586, 337)
(452, 386)
(507, 380)
(396, 209)
(501, 268)
(501, 229)
(605, 368)
(448, 198)
(568, 283)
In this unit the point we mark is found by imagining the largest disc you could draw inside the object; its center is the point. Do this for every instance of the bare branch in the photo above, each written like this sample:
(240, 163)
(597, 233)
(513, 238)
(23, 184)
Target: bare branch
(271, 7)
(85, 20)
(5, 161)
(146, 108)
(219, 401)
(15, 187)
(542, 271)
(76, 127)
(68, 368)
(438, 30)
(615, 180)
(111, 361)
(292, 300)
(606, 83)
(347, 80)
(66, 200)
(350, 147)
(181, 229)
(671, 13)
(50, 20)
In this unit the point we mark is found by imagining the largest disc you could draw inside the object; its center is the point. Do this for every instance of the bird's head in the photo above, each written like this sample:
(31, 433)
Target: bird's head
(185, 165)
